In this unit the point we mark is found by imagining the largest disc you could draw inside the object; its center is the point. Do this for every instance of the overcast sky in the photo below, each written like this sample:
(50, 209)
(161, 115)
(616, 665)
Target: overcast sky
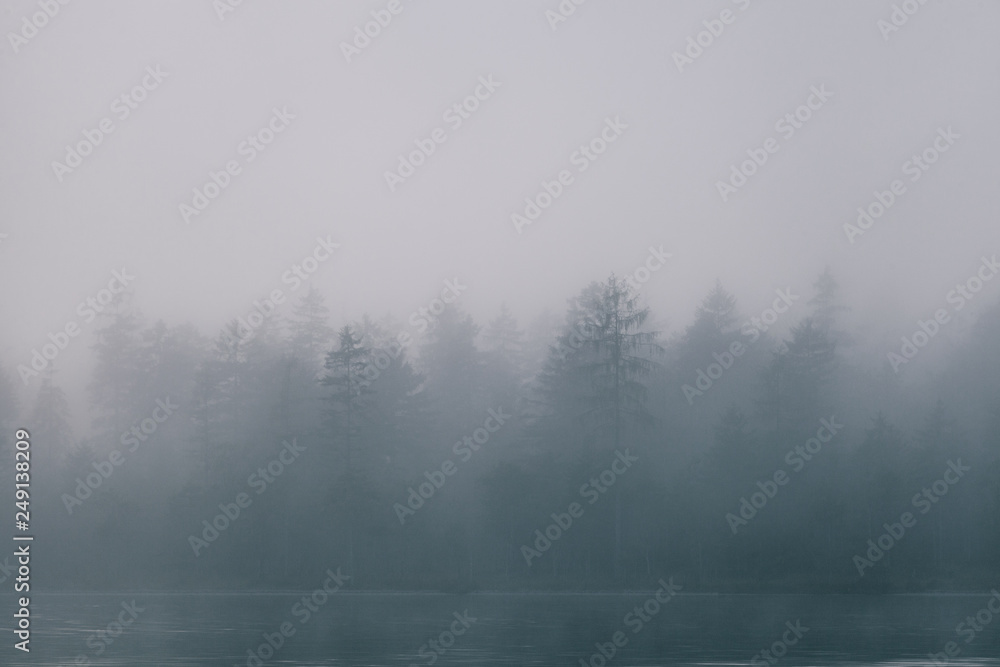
(887, 94)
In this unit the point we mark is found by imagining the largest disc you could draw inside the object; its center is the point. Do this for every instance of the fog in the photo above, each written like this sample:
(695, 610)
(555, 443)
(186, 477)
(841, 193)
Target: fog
(324, 175)
(566, 211)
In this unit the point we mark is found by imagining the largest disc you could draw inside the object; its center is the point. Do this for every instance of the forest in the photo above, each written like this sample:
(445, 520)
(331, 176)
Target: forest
(586, 450)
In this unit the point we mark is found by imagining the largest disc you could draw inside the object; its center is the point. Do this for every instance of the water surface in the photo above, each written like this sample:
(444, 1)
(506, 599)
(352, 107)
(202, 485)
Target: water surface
(352, 628)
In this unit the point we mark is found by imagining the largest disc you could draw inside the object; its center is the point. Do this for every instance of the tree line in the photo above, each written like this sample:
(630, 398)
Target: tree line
(761, 462)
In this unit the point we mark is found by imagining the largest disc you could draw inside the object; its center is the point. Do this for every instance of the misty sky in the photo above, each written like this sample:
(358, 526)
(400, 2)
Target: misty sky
(323, 175)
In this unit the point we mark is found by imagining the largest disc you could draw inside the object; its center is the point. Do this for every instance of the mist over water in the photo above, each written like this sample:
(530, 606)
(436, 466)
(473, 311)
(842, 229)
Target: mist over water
(558, 332)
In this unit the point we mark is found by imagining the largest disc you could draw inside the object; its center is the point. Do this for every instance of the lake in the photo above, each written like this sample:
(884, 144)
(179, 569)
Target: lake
(350, 628)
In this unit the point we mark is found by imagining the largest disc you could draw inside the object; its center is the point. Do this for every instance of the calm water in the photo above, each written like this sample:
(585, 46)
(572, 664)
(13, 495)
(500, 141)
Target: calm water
(370, 629)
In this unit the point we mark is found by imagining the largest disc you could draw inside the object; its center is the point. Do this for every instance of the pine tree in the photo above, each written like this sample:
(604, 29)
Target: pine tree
(122, 365)
(345, 366)
(597, 372)
(504, 357)
(50, 415)
(796, 381)
(882, 461)
(453, 366)
(826, 307)
(310, 334)
(714, 323)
